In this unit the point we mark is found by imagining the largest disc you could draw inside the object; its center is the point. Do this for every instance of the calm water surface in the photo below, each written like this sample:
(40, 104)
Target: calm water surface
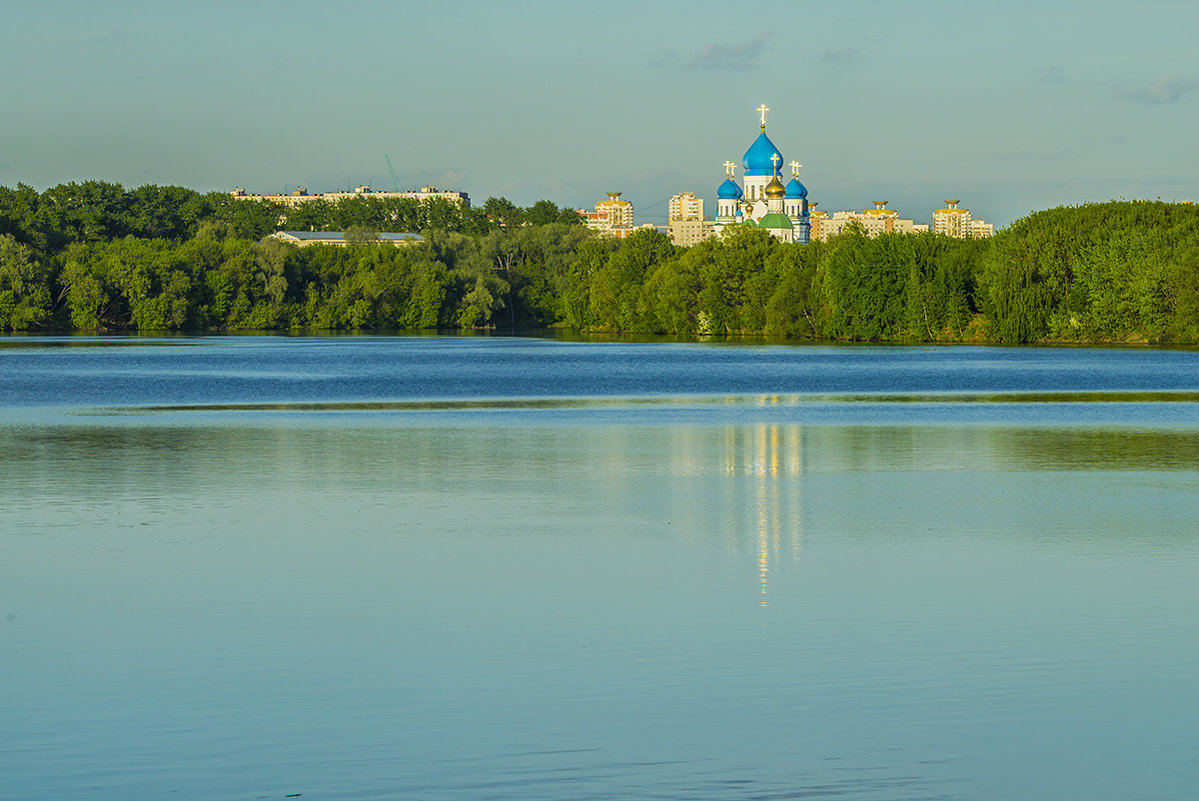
(475, 568)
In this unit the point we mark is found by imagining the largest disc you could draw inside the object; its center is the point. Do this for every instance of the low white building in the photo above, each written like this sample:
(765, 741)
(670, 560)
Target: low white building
(875, 221)
(338, 238)
(298, 196)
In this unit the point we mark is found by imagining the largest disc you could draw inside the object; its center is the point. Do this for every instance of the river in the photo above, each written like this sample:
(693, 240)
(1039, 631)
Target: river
(521, 568)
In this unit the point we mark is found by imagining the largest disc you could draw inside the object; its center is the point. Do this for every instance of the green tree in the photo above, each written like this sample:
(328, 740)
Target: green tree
(24, 287)
(503, 213)
(21, 215)
(163, 212)
(545, 212)
(739, 256)
(616, 286)
(590, 258)
(85, 288)
(792, 308)
(271, 256)
(247, 219)
(670, 302)
(92, 211)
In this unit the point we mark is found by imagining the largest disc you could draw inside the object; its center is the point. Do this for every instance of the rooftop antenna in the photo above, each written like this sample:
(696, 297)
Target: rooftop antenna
(392, 171)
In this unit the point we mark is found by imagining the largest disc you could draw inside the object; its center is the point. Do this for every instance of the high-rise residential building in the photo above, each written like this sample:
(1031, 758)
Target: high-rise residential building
(612, 216)
(685, 206)
(952, 220)
(817, 219)
(685, 223)
(957, 222)
(878, 220)
(619, 212)
(686, 233)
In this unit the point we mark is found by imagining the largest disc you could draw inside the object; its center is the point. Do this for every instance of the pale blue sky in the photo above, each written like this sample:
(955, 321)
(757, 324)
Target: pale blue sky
(1010, 107)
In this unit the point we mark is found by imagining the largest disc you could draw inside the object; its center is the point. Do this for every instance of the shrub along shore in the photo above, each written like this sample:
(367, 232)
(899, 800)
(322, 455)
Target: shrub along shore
(97, 257)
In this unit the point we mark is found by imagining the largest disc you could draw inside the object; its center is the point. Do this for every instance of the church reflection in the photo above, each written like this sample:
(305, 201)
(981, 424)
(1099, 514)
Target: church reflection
(762, 494)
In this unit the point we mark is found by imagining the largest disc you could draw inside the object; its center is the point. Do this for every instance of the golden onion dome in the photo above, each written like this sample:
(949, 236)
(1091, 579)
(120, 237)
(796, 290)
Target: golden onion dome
(775, 188)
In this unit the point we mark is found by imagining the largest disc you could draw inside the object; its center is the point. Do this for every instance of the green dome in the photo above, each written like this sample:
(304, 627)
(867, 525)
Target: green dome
(775, 220)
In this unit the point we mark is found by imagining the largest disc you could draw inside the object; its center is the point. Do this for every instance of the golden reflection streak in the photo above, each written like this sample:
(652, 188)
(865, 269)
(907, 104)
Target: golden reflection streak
(760, 463)
(794, 449)
(775, 456)
(774, 491)
(730, 451)
(772, 455)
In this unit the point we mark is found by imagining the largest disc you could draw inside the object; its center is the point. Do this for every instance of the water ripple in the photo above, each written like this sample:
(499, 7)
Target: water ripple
(532, 404)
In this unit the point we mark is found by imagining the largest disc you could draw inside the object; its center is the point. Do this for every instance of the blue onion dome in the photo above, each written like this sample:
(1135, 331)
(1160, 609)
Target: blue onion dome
(729, 190)
(796, 190)
(757, 158)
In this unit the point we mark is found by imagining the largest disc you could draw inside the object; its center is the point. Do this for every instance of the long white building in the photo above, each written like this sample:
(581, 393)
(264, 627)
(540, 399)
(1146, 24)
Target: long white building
(875, 221)
(298, 196)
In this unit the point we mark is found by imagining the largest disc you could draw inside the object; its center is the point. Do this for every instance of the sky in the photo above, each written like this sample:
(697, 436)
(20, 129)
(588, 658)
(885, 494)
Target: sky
(1009, 107)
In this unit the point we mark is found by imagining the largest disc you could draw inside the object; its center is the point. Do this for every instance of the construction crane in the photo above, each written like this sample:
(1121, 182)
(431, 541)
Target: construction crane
(391, 169)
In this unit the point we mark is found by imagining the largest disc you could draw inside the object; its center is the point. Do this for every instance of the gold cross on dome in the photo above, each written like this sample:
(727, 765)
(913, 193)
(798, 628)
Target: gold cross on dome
(795, 165)
(728, 169)
(762, 109)
(775, 158)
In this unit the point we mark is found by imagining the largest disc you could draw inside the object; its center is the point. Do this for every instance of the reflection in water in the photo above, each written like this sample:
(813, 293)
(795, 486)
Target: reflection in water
(624, 596)
(772, 455)
(272, 567)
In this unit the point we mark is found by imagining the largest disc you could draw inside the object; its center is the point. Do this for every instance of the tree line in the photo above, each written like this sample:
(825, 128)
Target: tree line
(99, 211)
(94, 256)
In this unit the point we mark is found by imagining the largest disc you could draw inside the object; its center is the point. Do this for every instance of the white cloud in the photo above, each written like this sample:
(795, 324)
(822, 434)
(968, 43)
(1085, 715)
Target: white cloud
(1162, 91)
(730, 56)
(850, 55)
(1052, 74)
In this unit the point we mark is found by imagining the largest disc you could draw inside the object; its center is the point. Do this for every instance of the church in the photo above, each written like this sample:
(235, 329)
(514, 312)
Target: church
(761, 200)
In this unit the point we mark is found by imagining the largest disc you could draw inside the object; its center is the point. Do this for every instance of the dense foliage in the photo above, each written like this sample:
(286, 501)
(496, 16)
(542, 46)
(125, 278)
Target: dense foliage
(98, 211)
(95, 256)
(1099, 272)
